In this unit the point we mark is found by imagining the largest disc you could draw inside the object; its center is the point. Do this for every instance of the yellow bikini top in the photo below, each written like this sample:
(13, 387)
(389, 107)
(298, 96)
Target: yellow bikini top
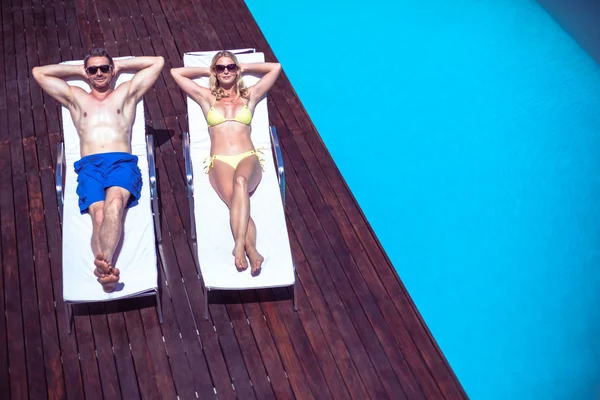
(214, 117)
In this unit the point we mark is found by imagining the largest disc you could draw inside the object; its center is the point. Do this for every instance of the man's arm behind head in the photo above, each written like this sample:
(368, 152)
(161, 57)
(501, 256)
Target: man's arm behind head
(51, 80)
(148, 69)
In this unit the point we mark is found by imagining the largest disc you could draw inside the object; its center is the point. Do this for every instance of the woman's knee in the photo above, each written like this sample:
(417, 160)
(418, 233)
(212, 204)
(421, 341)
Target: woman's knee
(240, 183)
(227, 198)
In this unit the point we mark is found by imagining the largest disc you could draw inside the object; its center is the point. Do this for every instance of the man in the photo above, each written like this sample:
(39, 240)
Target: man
(109, 179)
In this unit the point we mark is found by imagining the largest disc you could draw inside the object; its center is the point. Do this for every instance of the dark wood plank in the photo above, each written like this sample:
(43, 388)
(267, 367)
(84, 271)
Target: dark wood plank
(109, 374)
(82, 25)
(272, 361)
(53, 22)
(207, 12)
(340, 373)
(122, 352)
(213, 40)
(107, 26)
(12, 295)
(174, 346)
(236, 366)
(166, 377)
(140, 351)
(68, 345)
(4, 375)
(308, 360)
(78, 43)
(249, 349)
(10, 324)
(36, 377)
(51, 346)
(63, 20)
(189, 377)
(304, 383)
(86, 352)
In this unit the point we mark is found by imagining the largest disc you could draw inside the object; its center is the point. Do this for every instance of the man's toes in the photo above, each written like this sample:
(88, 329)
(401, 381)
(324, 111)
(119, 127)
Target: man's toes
(102, 264)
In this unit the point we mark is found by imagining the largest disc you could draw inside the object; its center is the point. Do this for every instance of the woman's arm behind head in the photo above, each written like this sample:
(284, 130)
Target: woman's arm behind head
(270, 70)
(183, 77)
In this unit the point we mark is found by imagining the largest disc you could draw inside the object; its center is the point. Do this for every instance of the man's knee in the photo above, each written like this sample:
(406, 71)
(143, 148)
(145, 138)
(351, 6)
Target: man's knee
(97, 214)
(114, 204)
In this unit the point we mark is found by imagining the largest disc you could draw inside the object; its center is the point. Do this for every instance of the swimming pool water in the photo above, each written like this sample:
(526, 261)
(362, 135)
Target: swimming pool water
(469, 132)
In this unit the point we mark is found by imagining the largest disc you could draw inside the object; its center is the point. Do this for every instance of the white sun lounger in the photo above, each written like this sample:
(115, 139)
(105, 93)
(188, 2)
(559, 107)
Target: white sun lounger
(137, 256)
(210, 216)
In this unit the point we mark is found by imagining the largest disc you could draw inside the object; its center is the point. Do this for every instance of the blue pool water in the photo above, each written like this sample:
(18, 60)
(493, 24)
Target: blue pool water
(469, 132)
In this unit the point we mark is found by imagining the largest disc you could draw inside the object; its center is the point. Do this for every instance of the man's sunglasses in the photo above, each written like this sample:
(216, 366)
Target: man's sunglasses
(221, 68)
(103, 68)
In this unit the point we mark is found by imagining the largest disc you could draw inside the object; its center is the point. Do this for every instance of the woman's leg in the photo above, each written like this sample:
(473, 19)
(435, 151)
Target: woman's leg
(221, 179)
(247, 177)
(256, 259)
(231, 185)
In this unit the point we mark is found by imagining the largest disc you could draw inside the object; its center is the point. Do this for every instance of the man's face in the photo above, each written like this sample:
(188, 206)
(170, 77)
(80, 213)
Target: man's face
(99, 72)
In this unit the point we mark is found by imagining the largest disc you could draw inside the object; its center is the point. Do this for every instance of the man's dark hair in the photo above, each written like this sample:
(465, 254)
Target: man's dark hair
(98, 52)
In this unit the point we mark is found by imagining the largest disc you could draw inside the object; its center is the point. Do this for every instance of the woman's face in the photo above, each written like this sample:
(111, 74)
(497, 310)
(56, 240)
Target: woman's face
(226, 70)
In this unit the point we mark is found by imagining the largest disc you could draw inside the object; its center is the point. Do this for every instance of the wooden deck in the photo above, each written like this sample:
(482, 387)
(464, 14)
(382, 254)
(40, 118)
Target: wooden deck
(357, 333)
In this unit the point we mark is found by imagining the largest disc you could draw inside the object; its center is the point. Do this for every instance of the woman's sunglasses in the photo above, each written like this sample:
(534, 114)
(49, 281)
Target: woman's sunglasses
(221, 68)
(103, 68)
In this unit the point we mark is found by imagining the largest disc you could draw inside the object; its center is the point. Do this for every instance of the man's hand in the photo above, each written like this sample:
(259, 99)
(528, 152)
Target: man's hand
(116, 68)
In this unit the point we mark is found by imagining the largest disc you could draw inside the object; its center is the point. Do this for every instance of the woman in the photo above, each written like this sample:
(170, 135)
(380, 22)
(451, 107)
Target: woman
(234, 166)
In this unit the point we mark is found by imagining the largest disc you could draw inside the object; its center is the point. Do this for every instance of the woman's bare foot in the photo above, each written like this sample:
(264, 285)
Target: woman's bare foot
(255, 258)
(240, 257)
(107, 275)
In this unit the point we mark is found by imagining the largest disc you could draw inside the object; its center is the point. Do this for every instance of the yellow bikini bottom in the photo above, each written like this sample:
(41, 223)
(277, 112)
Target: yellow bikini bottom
(234, 160)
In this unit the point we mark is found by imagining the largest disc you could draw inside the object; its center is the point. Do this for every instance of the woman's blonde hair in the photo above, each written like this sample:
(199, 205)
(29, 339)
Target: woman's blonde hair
(215, 88)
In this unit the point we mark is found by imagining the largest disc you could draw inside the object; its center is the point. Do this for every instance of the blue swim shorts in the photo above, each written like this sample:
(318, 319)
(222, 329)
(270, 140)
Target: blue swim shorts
(98, 172)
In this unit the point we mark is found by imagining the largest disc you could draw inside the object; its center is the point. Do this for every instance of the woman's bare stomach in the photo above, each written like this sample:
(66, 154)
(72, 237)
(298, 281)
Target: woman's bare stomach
(230, 144)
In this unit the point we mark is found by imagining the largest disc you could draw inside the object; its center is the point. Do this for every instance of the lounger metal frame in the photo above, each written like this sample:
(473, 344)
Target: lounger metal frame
(60, 166)
(189, 174)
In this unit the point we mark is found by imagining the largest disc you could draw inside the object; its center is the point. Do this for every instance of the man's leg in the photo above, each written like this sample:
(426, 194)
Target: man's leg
(110, 233)
(112, 227)
(96, 211)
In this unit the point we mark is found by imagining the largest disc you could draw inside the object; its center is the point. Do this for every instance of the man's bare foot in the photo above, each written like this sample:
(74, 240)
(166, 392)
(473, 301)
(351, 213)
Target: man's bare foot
(240, 257)
(102, 264)
(255, 258)
(107, 275)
